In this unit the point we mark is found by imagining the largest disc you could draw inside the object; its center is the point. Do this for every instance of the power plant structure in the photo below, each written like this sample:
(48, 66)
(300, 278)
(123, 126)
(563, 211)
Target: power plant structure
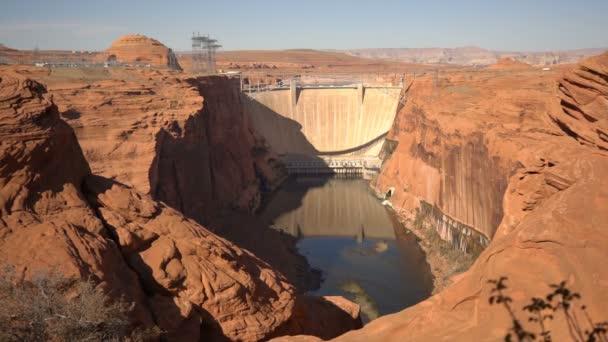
(203, 54)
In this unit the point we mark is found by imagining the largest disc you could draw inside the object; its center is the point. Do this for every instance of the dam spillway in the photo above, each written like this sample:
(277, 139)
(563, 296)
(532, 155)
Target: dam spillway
(339, 126)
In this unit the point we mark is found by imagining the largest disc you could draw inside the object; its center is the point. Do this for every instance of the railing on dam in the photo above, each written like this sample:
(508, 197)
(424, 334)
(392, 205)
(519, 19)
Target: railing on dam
(296, 83)
(250, 87)
(323, 120)
(302, 165)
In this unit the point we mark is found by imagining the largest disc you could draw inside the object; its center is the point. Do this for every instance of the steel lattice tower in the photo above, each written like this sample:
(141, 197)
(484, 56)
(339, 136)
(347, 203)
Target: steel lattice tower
(203, 54)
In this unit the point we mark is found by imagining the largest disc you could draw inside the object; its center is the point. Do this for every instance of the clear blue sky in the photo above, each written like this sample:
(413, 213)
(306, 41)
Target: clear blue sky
(318, 24)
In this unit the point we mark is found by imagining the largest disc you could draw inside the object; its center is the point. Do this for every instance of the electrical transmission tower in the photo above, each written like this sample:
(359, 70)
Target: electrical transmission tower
(35, 54)
(203, 54)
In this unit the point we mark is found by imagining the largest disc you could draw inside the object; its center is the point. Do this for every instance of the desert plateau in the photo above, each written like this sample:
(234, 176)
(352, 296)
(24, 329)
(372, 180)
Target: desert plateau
(282, 181)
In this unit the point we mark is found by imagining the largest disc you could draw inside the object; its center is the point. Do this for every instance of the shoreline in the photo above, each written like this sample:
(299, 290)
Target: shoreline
(444, 261)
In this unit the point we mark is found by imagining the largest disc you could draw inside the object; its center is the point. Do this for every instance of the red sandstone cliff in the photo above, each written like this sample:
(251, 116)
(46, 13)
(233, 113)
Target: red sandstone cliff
(190, 276)
(185, 141)
(484, 151)
(583, 95)
(55, 215)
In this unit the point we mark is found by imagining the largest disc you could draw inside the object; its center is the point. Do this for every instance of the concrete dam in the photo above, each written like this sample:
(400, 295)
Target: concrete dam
(325, 128)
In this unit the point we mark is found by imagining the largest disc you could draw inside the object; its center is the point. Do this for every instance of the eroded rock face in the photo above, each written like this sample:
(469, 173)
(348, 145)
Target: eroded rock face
(55, 215)
(45, 223)
(191, 276)
(583, 97)
(554, 221)
(139, 49)
(188, 276)
(214, 159)
(183, 140)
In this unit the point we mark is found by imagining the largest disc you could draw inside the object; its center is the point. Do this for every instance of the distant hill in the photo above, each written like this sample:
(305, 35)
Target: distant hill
(472, 55)
(4, 48)
(299, 56)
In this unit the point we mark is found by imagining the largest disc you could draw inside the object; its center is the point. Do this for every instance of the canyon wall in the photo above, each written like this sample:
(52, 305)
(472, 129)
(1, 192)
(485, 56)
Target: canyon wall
(324, 121)
(550, 190)
(451, 168)
(47, 223)
(186, 141)
(194, 285)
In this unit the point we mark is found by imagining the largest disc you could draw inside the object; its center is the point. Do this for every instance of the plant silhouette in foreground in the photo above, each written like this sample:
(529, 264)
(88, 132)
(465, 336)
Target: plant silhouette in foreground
(560, 300)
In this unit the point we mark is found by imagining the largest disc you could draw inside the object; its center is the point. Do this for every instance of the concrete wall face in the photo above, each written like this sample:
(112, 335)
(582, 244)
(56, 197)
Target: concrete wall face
(325, 121)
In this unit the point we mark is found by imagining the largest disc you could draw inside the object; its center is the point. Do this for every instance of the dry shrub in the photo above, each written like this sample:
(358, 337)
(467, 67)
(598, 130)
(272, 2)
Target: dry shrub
(49, 307)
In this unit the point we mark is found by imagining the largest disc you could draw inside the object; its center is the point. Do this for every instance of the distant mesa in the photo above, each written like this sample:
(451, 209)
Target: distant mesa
(139, 49)
(507, 63)
(4, 48)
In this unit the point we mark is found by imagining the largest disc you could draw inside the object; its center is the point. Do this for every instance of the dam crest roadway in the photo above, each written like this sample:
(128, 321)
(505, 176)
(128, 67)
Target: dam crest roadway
(325, 125)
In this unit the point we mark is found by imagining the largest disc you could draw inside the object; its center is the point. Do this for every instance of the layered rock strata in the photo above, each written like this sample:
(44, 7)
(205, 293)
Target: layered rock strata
(55, 215)
(583, 97)
(534, 190)
(185, 141)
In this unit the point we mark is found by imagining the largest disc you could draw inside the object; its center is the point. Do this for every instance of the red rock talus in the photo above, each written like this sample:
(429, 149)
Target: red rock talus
(139, 49)
(583, 94)
(554, 222)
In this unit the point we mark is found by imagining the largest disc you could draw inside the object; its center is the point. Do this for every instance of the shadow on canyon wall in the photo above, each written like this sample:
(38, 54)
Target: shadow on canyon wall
(283, 134)
(195, 174)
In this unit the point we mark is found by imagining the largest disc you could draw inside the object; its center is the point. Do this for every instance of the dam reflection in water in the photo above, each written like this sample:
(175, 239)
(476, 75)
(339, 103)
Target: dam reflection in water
(344, 231)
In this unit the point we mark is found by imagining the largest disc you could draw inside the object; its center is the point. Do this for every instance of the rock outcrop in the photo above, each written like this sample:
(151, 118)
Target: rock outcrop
(322, 317)
(185, 141)
(139, 49)
(483, 150)
(192, 277)
(583, 95)
(45, 222)
(55, 215)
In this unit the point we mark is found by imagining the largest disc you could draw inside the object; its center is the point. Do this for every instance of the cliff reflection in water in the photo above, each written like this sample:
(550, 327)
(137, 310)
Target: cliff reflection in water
(317, 206)
(344, 231)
